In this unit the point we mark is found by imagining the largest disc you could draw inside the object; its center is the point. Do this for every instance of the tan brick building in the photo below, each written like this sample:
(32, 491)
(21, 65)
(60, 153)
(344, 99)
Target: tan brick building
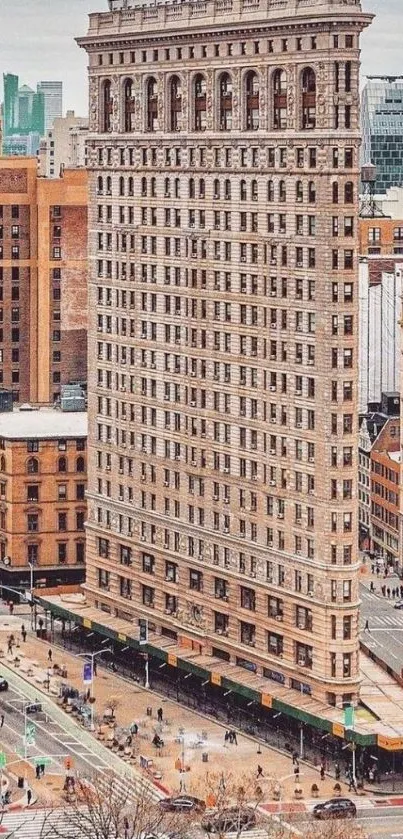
(43, 280)
(385, 493)
(381, 236)
(43, 479)
(224, 162)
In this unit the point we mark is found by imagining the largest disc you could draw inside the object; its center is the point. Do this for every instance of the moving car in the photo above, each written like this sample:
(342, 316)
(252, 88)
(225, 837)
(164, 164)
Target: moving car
(335, 808)
(182, 804)
(398, 605)
(231, 819)
(3, 684)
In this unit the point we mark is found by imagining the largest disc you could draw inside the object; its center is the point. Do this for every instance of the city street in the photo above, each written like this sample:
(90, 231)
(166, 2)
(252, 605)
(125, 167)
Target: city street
(385, 635)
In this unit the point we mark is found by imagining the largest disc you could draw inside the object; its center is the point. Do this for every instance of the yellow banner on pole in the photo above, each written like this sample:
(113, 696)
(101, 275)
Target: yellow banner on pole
(266, 700)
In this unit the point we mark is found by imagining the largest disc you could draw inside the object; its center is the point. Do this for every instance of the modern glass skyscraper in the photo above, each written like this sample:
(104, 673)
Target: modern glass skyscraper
(10, 83)
(53, 96)
(382, 129)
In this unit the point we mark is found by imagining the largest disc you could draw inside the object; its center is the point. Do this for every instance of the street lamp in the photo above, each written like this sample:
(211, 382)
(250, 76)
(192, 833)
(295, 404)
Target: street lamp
(92, 656)
(31, 590)
(143, 639)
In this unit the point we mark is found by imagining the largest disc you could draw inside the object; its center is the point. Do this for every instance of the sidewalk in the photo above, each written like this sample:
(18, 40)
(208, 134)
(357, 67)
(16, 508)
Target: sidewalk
(204, 746)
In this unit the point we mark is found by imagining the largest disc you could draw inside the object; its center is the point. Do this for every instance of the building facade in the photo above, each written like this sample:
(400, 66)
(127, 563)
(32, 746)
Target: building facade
(364, 487)
(62, 146)
(43, 477)
(43, 280)
(381, 236)
(385, 493)
(224, 166)
(382, 129)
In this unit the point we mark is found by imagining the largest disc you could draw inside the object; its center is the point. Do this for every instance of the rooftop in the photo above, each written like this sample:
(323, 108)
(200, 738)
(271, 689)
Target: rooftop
(42, 424)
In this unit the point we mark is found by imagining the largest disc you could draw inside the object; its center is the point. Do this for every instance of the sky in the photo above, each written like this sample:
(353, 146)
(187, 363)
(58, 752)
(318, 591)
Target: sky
(37, 42)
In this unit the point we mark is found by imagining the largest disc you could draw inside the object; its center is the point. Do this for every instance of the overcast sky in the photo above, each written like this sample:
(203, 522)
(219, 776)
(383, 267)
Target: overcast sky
(37, 42)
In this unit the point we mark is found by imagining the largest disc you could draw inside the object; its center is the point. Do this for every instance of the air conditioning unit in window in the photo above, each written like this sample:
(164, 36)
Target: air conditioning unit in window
(298, 521)
(311, 460)
(226, 470)
(298, 392)
(272, 451)
(298, 553)
(193, 462)
(226, 500)
(215, 497)
(252, 574)
(192, 404)
(226, 530)
(279, 618)
(153, 366)
(280, 516)
(166, 483)
(108, 467)
(193, 374)
(254, 477)
(177, 457)
(270, 543)
(272, 483)
(143, 477)
(142, 538)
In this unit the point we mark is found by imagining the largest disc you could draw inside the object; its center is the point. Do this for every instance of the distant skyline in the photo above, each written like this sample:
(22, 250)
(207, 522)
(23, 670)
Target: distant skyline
(37, 43)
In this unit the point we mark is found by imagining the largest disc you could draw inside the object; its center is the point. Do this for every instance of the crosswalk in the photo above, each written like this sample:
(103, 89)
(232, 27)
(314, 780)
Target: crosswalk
(392, 621)
(37, 825)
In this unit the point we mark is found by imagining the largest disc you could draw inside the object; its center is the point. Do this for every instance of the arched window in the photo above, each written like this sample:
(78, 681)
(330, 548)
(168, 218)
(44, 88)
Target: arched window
(216, 189)
(153, 187)
(167, 188)
(107, 106)
(152, 105)
(100, 185)
(227, 190)
(202, 188)
(225, 102)
(279, 99)
(199, 92)
(177, 187)
(109, 185)
(80, 464)
(253, 191)
(252, 101)
(299, 192)
(121, 185)
(130, 186)
(128, 105)
(311, 192)
(2, 463)
(192, 192)
(32, 466)
(62, 464)
(175, 103)
(242, 191)
(335, 192)
(144, 187)
(282, 192)
(270, 191)
(308, 84)
(349, 193)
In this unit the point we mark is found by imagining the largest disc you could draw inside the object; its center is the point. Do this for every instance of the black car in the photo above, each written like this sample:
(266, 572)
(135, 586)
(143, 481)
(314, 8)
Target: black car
(229, 820)
(182, 804)
(3, 684)
(335, 808)
(398, 605)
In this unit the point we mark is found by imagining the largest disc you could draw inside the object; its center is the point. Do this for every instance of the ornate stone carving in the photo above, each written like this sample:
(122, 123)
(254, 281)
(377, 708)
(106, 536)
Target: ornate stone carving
(93, 102)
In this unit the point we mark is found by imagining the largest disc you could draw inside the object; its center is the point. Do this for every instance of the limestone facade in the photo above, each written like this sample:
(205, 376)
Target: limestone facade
(224, 162)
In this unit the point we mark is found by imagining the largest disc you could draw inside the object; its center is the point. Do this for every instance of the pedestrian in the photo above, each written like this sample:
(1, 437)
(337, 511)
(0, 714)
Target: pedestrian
(259, 771)
(296, 773)
(9, 645)
(29, 796)
(159, 714)
(226, 737)
(372, 568)
(126, 827)
(372, 587)
(23, 633)
(1, 720)
(388, 591)
(294, 758)
(38, 771)
(377, 570)
(337, 771)
(11, 607)
(322, 772)
(49, 655)
(401, 591)
(94, 667)
(383, 590)
(366, 627)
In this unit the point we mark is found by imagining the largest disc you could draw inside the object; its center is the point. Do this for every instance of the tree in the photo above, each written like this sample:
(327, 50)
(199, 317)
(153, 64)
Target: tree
(105, 808)
(232, 802)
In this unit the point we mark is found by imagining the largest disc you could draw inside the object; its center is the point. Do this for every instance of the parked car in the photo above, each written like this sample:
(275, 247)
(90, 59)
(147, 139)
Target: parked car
(335, 808)
(398, 605)
(3, 684)
(231, 819)
(182, 804)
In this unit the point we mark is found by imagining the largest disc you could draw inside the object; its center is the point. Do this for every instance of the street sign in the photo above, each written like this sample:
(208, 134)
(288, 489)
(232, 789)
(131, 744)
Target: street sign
(30, 731)
(41, 761)
(87, 673)
(3, 760)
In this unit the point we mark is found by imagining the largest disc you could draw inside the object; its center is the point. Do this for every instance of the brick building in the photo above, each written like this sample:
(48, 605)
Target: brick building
(224, 162)
(385, 492)
(381, 237)
(43, 478)
(43, 280)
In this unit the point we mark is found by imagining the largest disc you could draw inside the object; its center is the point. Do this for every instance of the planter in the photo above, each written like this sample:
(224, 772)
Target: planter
(298, 793)
(314, 790)
(337, 789)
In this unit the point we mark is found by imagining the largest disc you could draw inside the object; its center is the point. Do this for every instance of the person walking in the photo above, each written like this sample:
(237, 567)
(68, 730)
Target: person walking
(49, 656)
(366, 627)
(234, 739)
(159, 714)
(1, 720)
(296, 773)
(94, 666)
(23, 633)
(126, 827)
(383, 590)
(259, 771)
(322, 772)
(371, 586)
(9, 645)
(388, 591)
(294, 758)
(29, 796)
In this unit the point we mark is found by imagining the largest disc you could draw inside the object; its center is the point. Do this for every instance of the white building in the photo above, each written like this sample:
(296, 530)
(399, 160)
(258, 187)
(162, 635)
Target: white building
(380, 309)
(53, 96)
(61, 147)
